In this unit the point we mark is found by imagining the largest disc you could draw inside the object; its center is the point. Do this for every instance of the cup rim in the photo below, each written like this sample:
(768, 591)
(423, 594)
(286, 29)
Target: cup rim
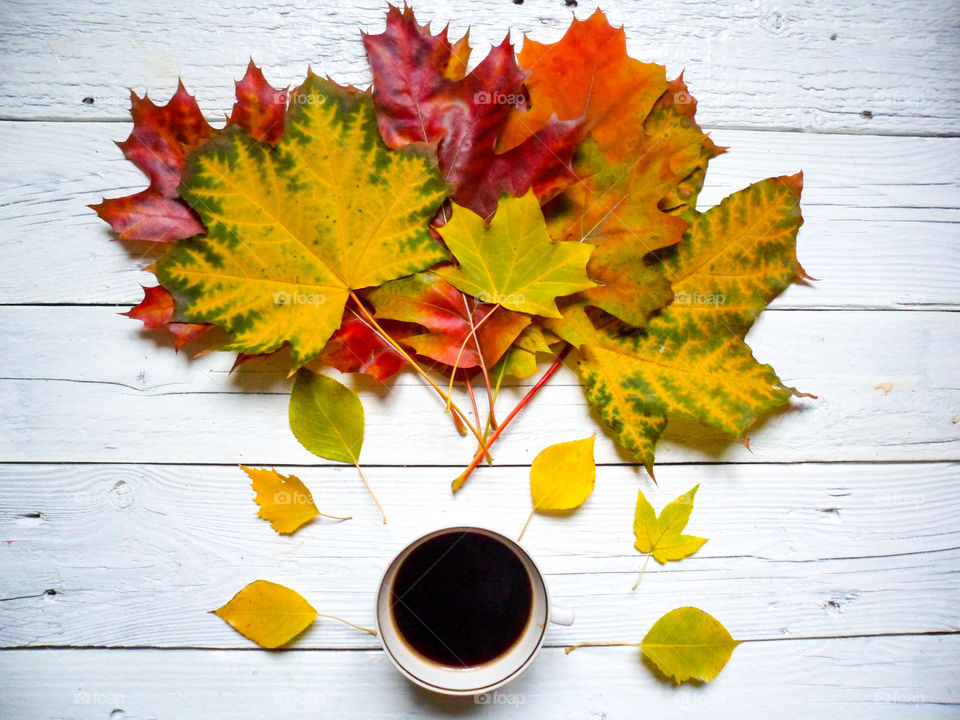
(488, 687)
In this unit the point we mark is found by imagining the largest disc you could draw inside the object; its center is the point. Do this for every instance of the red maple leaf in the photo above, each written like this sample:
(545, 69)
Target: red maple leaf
(156, 312)
(419, 99)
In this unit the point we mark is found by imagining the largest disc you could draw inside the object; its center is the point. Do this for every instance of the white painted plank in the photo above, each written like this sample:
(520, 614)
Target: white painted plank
(876, 678)
(83, 384)
(842, 66)
(135, 555)
(880, 213)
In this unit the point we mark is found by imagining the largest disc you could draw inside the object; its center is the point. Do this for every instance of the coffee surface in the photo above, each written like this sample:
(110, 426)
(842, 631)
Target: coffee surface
(461, 599)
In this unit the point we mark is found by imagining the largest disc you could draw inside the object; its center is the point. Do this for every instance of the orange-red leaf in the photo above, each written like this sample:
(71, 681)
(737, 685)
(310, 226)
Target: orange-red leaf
(156, 312)
(357, 348)
(448, 315)
(148, 215)
(420, 97)
(260, 108)
(163, 135)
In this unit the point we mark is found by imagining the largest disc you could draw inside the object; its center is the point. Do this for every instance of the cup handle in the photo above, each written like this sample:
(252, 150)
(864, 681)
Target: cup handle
(561, 616)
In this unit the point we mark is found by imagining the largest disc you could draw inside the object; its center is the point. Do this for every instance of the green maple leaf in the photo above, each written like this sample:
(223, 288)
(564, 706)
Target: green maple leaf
(512, 261)
(692, 360)
(662, 536)
(292, 230)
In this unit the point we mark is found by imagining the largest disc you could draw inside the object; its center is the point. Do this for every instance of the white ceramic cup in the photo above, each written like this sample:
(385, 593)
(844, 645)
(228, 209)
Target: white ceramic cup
(477, 679)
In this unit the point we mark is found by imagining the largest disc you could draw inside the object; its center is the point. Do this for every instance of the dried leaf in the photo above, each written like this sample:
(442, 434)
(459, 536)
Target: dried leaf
(421, 96)
(688, 643)
(156, 311)
(428, 300)
(512, 261)
(283, 499)
(662, 536)
(692, 360)
(260, 109)
(562, 475)
(269, 614)
(357, 348)
(292, 230)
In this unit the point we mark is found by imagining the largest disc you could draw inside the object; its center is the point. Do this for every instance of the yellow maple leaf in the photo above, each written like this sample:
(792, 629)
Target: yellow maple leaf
(662, 536)
(512, 261)
(292, 230)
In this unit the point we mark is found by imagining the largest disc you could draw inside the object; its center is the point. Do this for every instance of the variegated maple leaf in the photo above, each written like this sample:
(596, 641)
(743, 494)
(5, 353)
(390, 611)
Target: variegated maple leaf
(692, 360)
(292, 230)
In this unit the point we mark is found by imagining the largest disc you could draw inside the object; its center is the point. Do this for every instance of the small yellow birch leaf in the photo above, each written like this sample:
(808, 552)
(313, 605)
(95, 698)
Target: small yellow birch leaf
(662, 536)
(562, 476)
(269, 614)
(283, 499)
(688, 643)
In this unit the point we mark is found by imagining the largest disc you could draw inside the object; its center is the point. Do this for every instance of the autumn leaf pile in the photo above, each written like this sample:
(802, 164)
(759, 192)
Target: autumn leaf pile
(471, 226)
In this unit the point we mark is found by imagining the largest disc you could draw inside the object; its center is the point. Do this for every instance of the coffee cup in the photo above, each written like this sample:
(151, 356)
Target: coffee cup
(464, 610)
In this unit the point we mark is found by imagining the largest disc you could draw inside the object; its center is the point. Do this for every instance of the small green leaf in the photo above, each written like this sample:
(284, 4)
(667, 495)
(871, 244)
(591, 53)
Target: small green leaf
(326, 417)
(688, 643)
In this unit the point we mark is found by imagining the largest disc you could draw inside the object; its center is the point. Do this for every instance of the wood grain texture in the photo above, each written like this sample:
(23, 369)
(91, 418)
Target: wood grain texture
(134, 555)
(834, 547)
(880, 212)
(123, 398)
(875, 678)
(843, 66)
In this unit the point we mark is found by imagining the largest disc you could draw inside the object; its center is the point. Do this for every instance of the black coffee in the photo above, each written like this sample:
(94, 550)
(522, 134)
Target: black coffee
(461, 598)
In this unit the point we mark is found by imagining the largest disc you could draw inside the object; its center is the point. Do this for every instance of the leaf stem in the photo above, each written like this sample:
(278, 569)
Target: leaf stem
(416, 366)
(347, 622)
(550, 372)
(527, 523)
(334, 517)
(370, 490)
(570, 649)
(643, 571)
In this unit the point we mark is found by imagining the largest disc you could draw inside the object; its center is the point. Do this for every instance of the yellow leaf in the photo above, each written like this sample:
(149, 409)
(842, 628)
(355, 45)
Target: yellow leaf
(562, 477)
(512, 261)
(267, 613)
(662, 536)
(291, 230)
(283, 499)
(688, 643)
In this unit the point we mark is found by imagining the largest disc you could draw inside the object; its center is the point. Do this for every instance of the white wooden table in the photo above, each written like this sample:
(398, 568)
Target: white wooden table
(834, 546)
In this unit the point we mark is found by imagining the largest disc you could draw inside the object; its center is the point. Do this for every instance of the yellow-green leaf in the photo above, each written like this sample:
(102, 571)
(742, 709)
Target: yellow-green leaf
(692, 360)
(663, 536)
(512, 261)
(292, 229)
(269, 614)
(688, 643)
(283, 499)
(562, 475)
(326, 417)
